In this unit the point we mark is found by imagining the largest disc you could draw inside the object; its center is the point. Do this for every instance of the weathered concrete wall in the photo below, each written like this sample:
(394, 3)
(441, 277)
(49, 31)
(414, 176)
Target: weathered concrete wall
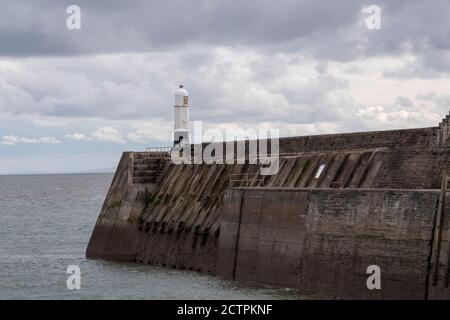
(114, 236)
(321, 241)
(379, 159)
(171, 215)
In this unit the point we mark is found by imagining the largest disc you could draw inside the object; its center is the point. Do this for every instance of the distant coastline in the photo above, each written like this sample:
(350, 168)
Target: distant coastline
(101, 171)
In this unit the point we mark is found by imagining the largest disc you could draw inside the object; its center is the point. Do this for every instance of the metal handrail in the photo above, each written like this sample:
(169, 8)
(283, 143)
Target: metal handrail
(246, 181)
(158, 149)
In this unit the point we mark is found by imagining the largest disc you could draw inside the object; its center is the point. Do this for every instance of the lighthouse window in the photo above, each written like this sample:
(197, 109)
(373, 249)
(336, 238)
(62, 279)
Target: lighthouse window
(319, 171)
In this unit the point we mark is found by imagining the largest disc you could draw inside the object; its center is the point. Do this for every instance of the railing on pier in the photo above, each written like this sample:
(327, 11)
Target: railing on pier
(158, 149)
(245, 180)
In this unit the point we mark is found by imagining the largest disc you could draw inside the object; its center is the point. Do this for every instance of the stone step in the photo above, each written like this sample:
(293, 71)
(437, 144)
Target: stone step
(146, 173)
(138, 180)
(148, 161)
(148, 166)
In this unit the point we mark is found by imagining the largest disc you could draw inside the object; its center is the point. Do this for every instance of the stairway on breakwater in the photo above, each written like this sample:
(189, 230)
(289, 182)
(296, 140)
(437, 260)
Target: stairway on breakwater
(149, 167)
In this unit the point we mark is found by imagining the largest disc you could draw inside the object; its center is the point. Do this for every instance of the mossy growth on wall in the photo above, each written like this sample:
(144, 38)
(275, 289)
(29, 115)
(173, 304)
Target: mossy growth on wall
(116, 204)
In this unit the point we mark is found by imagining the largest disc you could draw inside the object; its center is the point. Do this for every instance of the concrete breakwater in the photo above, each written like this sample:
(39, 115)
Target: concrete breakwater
(323, 240)
(377, 201)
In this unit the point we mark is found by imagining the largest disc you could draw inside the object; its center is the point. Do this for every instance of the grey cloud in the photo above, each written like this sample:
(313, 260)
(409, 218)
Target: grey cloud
(412, 25)
(38, 28)
(428, 64)
(326, 29)
(404, 101)
(441, 102)
(180, 38)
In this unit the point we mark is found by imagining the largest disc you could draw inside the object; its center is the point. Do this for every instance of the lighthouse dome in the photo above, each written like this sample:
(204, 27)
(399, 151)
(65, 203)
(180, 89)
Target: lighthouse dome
(181, 97)
(181, 91)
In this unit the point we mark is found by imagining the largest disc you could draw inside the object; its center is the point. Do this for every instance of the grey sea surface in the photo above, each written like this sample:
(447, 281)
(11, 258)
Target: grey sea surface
(45, 225)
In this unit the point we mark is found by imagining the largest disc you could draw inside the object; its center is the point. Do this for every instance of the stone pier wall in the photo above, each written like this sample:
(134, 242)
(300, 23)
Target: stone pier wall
(171, 215)
(321, 241)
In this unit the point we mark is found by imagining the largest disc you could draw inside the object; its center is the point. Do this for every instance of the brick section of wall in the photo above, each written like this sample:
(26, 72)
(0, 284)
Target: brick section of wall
(381, 159)
(422, 137)
(322, 241)
(413, 168)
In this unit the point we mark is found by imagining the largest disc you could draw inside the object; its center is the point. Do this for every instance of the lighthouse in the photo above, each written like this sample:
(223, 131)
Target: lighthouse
(181, 122)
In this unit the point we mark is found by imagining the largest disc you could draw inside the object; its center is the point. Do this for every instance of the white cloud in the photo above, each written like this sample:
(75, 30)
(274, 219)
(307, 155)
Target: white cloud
(48, 122)
(393, 118)
(12, 140)
(49, 140)
(78, 136)
(108, 134)
(227, 84)
(149, 131)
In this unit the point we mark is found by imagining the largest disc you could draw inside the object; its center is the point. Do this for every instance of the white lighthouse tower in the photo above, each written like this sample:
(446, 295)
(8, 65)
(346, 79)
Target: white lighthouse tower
(181, 132)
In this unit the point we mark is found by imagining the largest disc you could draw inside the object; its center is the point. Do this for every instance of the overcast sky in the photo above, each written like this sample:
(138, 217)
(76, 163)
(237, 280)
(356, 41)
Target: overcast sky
(73, 100)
